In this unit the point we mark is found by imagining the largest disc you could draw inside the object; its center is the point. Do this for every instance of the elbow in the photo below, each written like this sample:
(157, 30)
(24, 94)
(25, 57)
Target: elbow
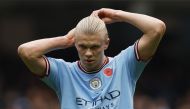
(160, 28)
(24, 51)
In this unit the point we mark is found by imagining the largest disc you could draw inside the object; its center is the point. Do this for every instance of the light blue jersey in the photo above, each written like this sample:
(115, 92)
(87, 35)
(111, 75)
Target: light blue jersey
(112, 87)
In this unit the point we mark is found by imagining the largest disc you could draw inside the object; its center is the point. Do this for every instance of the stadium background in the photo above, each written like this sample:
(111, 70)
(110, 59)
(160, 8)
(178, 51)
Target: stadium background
(164, 84)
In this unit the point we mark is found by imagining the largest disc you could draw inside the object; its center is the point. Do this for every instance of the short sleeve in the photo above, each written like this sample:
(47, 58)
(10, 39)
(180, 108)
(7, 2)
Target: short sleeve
(52, 73)
(130, 59)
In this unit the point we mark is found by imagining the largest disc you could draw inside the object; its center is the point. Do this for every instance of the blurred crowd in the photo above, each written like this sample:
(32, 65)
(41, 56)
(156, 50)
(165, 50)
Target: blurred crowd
(41, 97)
(33, 98)
(148, 102)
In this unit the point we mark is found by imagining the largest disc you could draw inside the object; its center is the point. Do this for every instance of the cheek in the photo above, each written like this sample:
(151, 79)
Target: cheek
(99, 52)
(81, 56)
(80, 52)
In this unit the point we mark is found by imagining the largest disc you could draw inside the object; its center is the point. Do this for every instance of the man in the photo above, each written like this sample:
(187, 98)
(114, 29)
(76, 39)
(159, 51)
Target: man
(95, 81)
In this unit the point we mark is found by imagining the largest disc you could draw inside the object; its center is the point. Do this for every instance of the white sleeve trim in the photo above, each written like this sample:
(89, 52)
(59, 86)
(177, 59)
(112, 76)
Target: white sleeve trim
(136, 50)
(47, 66)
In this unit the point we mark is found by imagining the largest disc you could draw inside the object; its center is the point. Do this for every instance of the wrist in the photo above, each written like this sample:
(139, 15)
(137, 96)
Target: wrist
(69, 41)
(61, 42)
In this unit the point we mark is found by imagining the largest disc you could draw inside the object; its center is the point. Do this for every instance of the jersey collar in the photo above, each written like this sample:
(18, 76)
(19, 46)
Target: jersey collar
(92, 72)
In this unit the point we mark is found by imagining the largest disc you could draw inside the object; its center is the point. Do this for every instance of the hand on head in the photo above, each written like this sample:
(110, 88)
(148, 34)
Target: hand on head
(70, 36)
(107, 15)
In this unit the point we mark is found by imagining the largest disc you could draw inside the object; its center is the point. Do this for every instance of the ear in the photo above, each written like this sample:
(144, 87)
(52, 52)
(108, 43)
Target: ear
(107, 41)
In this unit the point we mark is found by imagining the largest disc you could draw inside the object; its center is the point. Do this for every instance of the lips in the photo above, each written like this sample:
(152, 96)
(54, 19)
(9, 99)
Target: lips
(89, 61)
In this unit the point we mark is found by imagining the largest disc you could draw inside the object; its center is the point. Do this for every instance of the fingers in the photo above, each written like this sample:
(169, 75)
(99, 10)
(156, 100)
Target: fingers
(95, 13)
(107, 20)
(71, 33)
(99, 13)
(105, 14)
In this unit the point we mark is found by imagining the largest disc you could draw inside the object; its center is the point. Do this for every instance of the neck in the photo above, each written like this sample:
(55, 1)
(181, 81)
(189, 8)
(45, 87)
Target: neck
(96, 69)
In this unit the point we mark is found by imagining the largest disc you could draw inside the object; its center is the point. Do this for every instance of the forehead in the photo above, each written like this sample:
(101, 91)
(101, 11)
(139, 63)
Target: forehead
(89, 39)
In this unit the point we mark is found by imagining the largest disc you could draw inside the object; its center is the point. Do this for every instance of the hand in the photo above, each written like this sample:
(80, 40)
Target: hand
(107, 15)
(70, 37)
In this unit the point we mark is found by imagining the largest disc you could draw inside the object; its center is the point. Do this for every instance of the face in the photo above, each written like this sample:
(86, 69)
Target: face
(91, 50)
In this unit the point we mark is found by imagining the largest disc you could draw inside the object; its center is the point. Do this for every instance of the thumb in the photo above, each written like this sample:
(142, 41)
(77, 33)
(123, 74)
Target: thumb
(107, 20)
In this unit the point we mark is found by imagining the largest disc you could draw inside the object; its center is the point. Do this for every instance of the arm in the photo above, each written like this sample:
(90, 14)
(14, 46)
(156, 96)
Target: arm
(152, 28)
(32, 52)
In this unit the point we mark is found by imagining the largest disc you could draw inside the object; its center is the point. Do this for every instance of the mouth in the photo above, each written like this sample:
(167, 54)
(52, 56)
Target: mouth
(89, 61)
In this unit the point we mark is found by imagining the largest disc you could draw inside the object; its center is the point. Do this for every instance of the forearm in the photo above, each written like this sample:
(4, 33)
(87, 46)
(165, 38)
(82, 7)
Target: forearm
(147, 24)
(32, 52)
(153, 30)
(37, 48)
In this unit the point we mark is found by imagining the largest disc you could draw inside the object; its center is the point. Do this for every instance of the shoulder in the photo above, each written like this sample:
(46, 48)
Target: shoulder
(59, 61)
(58, 64)
(128, 52)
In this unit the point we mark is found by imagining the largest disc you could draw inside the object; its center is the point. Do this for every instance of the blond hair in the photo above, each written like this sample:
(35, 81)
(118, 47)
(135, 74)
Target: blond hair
(91, 25)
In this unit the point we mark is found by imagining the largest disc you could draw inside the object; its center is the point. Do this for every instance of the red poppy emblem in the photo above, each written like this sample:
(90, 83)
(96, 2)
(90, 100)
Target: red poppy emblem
(108, 72)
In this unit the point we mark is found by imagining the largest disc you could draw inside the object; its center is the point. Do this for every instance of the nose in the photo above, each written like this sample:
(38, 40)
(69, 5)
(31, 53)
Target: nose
(88, 53)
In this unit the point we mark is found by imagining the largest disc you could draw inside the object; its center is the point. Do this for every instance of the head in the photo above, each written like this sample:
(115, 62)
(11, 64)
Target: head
(91, 40)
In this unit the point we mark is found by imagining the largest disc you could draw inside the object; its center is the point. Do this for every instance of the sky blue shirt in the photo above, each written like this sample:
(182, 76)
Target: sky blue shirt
(112, 87)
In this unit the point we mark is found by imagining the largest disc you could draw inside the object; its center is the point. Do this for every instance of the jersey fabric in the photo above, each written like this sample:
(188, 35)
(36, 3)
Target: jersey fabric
(112, 87)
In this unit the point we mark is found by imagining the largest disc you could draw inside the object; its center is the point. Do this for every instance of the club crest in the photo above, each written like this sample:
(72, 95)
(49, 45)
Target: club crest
(95, 83)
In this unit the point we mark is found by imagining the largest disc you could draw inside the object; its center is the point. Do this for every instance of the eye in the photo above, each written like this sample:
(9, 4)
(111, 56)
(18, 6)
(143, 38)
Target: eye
(95, 47)
(82, 47)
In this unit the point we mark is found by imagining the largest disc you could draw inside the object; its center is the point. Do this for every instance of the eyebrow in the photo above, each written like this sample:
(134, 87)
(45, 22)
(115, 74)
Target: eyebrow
(91, 45)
